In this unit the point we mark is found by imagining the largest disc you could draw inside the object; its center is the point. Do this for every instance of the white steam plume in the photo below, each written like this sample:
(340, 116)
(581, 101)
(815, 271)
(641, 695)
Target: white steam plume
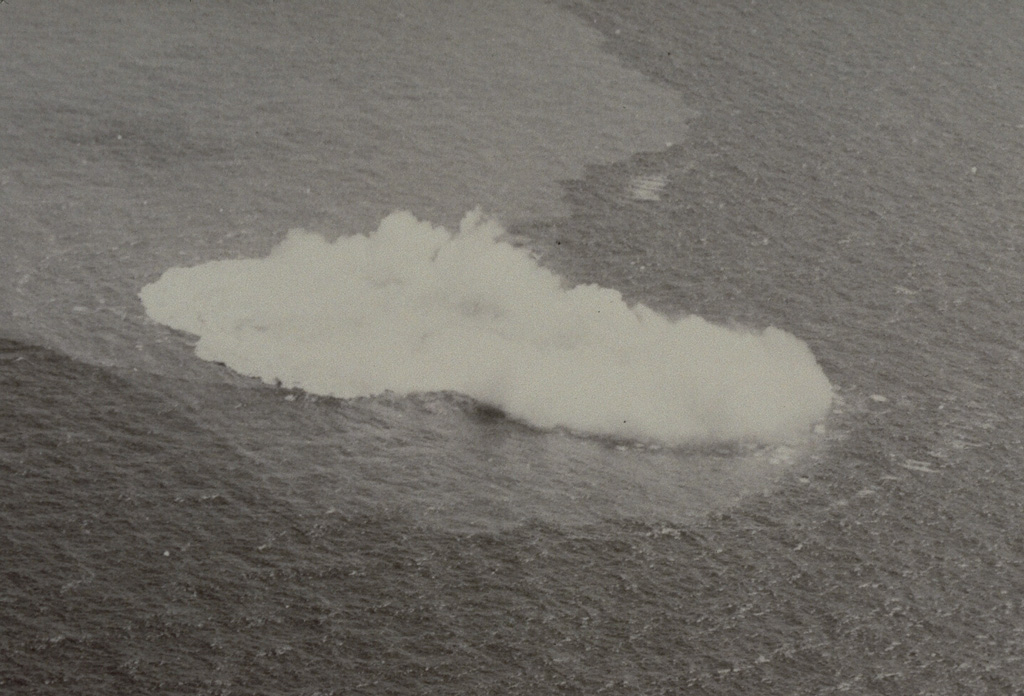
(413, 308)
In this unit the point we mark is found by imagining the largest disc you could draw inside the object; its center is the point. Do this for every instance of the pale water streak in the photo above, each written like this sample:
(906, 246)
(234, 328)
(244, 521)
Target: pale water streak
(140, 139)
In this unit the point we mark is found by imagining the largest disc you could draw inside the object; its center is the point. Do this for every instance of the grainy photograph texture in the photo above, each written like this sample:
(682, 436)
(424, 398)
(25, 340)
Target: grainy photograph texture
(534, 347)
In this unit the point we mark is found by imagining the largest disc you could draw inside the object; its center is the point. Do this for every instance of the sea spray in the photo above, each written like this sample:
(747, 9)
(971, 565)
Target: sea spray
(414, 308)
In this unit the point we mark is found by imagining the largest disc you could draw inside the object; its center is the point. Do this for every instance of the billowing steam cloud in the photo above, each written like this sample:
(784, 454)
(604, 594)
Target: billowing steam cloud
(413, 308)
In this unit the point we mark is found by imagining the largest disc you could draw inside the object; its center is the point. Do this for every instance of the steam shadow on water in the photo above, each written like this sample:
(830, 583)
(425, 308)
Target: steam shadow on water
(447, 461)
(563, 477)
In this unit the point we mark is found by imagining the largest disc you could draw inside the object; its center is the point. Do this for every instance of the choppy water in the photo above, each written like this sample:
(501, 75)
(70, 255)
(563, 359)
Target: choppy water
(850, 174)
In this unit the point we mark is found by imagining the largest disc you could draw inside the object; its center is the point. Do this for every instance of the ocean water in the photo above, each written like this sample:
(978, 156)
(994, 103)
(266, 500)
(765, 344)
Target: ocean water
(850, 175)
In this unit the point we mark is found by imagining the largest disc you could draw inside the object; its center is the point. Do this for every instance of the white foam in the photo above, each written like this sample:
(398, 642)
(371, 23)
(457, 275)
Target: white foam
(413, 308)
(647, 187)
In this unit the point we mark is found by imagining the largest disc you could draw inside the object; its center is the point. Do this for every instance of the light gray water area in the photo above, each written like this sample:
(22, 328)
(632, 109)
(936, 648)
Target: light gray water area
(850, 173)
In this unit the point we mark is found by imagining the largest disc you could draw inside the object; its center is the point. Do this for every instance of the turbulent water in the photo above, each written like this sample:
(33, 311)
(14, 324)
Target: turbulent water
(727, 400)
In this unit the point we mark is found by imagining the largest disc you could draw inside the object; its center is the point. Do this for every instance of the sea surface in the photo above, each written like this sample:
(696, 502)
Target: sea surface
(850, 173)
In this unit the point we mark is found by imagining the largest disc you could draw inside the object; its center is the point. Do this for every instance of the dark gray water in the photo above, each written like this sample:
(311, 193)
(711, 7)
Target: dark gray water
(852, 174)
